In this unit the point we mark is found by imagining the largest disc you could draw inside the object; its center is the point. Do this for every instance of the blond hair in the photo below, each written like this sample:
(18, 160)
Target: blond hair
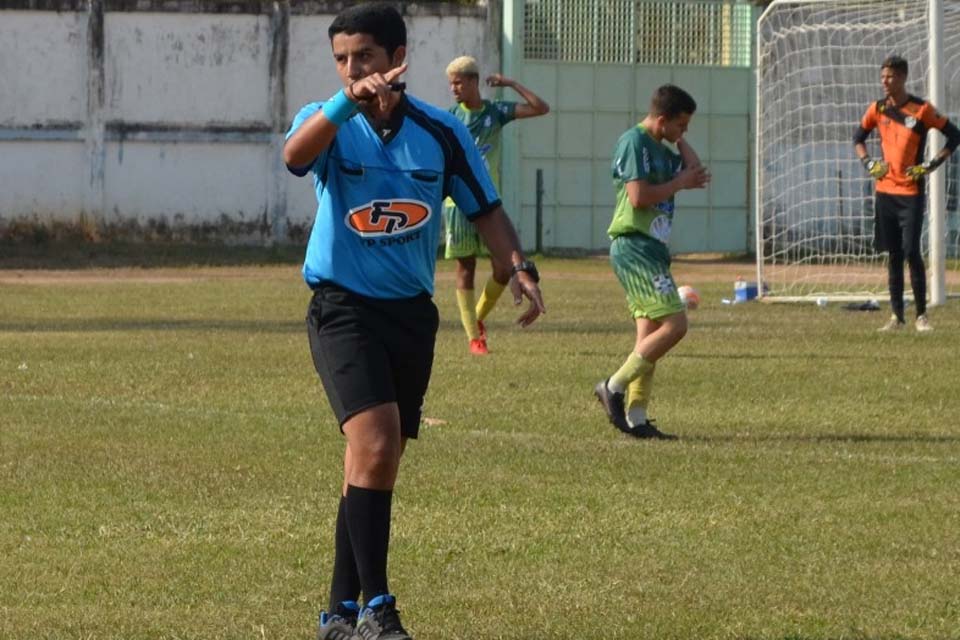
(464, 65)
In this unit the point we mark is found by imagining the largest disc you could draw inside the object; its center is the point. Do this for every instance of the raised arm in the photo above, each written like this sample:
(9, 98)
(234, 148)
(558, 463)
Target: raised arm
(688, 156)
(317, 132)
(533, 104)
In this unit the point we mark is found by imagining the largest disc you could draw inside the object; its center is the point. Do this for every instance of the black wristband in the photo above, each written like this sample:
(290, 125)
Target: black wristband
(866, 161)
(530, 268)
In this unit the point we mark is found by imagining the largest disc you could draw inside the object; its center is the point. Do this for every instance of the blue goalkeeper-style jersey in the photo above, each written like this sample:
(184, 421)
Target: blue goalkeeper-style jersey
(378, 221)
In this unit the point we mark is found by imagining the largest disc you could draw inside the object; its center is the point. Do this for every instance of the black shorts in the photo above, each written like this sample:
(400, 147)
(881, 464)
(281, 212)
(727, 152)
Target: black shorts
(370, 352)
(898, 222)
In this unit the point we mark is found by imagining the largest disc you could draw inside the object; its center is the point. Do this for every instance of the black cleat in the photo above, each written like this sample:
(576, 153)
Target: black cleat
(341, 624)
(613, 406)
(379, 620)
(648, 431)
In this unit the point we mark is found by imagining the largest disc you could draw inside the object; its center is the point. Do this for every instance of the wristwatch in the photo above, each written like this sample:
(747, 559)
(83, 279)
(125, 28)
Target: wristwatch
(529, 268)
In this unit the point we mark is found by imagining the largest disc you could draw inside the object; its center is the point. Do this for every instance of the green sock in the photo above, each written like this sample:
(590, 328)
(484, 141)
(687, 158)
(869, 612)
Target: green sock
(634, 367)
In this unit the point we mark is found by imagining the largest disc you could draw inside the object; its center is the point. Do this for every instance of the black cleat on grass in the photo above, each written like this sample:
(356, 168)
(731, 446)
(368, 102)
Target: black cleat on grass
(648, 431)
(613, 406)
(379, 620)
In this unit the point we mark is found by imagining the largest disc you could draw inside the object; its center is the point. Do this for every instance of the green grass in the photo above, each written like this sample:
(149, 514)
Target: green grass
(169, 469)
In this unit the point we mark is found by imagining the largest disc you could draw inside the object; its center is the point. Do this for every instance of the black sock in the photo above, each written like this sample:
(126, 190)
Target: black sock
(918, 281)
(895, 280)
(346, 580)
(368, 517)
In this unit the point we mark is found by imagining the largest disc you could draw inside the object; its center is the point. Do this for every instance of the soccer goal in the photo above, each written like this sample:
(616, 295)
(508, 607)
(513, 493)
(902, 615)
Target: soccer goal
(818, 67)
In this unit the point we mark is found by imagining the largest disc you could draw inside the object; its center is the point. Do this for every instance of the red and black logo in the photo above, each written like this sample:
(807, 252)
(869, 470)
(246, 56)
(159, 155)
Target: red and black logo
(388, 217)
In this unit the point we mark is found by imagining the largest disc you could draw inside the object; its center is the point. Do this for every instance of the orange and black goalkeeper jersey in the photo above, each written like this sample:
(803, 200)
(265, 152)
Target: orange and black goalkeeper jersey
(903, 135)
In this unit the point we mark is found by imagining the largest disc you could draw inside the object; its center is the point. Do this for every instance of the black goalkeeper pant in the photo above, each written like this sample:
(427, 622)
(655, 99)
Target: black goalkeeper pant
(897, 229)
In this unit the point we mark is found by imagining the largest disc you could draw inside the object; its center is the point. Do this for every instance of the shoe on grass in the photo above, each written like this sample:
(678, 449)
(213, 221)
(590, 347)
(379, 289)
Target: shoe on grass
(379, 620)
(648, 430)
(341, 623)
(923, 324)
(893, 324)
(613, 406)
(478, 347)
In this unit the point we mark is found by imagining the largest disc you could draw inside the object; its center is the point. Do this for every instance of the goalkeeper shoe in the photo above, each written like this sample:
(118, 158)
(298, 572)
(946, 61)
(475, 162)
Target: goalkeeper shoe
(341, 624)
(923, 324)
(380, 620)
(648, 431)
(613, 406)
(893, 324)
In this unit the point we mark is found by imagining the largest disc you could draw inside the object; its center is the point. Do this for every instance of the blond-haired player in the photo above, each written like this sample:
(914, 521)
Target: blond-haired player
(484, 119)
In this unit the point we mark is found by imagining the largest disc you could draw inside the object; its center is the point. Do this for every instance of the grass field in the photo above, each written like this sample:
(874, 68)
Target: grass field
(169, 468)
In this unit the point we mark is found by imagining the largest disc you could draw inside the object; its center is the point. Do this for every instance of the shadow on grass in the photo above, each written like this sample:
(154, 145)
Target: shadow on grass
(796, 637)
(79, 255)
(771, 356)
(152, 324)
(814, 438)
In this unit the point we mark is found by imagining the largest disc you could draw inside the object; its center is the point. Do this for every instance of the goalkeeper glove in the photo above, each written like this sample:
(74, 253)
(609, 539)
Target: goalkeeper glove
(876, 168)
(918, 171)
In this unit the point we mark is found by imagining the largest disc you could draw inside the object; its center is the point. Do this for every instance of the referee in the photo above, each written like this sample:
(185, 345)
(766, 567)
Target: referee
(902, 120)
(382, 163)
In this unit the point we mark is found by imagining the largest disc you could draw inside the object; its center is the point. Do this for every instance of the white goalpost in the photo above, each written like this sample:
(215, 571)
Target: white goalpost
(818, 67)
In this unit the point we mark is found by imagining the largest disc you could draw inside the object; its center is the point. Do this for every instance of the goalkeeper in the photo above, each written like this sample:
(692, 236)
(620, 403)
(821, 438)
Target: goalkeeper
(902, 120)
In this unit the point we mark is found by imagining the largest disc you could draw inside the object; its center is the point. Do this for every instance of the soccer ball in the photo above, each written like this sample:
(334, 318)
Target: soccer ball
(689, 297)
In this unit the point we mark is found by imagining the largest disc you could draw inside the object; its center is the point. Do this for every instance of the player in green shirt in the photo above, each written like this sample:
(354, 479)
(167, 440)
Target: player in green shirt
(484, 119)
(647, 175)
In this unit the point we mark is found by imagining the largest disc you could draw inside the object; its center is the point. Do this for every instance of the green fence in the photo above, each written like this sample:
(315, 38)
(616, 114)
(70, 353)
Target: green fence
(597, 62)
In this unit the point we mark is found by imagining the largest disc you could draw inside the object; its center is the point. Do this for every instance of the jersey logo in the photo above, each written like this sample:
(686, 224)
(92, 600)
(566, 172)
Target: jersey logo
(660, 228)
(387, 217)
(663, 283)
(910, 121)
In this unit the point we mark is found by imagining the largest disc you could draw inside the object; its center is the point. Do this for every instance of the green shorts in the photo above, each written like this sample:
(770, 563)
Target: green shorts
(642, 265)
(462, 238)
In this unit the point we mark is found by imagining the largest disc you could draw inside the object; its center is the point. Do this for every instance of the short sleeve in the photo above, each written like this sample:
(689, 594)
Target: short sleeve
(628, 164)
(932, 118)
(301, 117)
(869, 120)
(506, 111)
(469, 184)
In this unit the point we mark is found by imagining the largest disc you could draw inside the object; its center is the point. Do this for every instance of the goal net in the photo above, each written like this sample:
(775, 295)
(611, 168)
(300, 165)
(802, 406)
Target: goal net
(818, 67)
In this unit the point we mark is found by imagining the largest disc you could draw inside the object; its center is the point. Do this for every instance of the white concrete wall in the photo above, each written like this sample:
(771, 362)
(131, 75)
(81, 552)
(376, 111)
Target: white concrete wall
(42, 68)
(186, 134)
(182, 68)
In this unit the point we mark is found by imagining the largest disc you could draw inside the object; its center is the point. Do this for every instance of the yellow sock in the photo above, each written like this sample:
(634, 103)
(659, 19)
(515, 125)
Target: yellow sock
(468, 314)
(634, 367)
(638, 397)
(488, 299)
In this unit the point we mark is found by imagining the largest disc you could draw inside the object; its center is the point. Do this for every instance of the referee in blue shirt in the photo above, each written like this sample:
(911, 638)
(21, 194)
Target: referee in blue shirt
(382, 163)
